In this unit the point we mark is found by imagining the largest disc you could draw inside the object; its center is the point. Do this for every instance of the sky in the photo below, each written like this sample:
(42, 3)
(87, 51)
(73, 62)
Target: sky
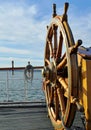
(23, 28)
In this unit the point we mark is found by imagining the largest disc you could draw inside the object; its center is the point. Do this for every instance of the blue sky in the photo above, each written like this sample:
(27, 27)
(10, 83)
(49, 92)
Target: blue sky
(23, 28)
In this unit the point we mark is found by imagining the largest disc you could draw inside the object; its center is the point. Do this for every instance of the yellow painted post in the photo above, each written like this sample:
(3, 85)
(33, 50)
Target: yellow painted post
(85, 90)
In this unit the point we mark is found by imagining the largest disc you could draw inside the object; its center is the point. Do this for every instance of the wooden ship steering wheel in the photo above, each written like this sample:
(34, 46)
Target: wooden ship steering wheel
(60, 71)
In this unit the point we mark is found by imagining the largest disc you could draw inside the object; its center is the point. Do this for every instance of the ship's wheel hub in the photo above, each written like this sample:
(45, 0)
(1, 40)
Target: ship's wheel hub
(50, 72)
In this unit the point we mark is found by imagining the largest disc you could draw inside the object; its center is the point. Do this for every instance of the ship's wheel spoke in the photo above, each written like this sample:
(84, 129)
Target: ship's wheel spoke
(50, 47)
(60, 43)
(63, 84)
(54, 40)
(54, 104)
(47, 61)
(61, 101)
(62, 63)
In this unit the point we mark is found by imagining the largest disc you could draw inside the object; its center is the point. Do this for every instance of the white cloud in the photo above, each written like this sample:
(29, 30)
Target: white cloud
(20, 25)
(32, 10)
(13, 51)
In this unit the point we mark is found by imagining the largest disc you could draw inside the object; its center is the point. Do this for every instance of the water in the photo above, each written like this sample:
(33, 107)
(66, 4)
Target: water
(17, 88)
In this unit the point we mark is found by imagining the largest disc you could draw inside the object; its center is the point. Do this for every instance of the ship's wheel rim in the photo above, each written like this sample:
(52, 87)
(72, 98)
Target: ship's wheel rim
(69, 41)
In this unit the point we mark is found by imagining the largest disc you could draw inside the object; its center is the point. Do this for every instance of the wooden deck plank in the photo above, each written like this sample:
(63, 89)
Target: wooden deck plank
(29, 116)
(24, 119)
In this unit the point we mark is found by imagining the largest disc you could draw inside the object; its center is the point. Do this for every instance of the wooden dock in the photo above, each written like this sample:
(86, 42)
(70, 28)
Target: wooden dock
(29, 116)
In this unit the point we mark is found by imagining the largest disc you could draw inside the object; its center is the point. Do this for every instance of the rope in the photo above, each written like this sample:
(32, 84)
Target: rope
(28, 73)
